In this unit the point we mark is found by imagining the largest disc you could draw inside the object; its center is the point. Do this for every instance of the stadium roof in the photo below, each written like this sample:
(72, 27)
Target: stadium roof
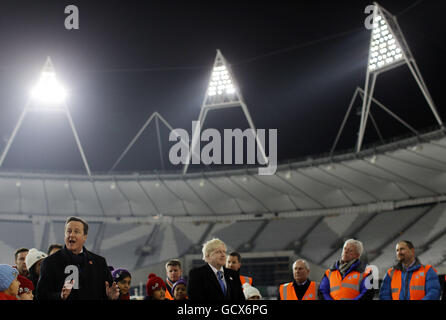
(405, 173)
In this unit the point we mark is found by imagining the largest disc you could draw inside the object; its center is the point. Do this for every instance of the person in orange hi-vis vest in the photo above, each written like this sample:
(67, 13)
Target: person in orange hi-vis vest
(173, 274)
(301, 288)
(234, 262)
(409, 279)
(348, 278)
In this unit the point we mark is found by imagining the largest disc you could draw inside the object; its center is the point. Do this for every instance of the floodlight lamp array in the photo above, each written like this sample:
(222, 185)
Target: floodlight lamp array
(221, 82)
(384, 48)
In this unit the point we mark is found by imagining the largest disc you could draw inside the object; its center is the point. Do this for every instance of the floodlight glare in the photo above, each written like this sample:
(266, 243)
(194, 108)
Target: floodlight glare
(50, 93)
(48, 90)
(383, 46)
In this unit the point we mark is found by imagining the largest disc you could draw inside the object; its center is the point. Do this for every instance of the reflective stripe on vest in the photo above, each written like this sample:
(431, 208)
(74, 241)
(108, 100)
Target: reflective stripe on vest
(284, 290)
(335, 288)
(416, 285)
(245, 279)
(311, 293)
(288, 293)
(347, 288)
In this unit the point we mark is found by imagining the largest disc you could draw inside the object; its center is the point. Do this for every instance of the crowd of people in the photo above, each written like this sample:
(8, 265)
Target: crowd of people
(71, 272)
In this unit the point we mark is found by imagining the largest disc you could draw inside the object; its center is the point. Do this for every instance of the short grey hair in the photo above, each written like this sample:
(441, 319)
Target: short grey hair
(304, 262)
(356, 243)
(210, 246)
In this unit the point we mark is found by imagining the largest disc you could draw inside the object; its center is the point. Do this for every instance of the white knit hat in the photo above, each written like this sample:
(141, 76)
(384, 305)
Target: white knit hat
(33, 256)
(250, 291)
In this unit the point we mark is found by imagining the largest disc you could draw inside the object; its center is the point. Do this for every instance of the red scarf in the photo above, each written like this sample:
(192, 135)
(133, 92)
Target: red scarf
(4, 296)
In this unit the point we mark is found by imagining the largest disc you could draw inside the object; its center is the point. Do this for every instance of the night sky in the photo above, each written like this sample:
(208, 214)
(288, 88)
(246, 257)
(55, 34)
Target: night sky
(298, 64)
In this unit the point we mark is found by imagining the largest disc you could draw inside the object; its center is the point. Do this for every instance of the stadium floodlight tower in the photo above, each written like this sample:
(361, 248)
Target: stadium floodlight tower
(155, 115)
(47, 95)
(222, 92)
(388, 50)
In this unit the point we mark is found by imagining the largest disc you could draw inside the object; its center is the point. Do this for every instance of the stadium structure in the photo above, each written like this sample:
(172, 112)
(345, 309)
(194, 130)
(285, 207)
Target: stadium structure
(307, 209)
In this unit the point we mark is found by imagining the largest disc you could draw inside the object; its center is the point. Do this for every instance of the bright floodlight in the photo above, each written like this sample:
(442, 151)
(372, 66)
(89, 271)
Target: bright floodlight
(222, 92)
(388, 50)
(384, 47)
(221, 82)
(48, 90)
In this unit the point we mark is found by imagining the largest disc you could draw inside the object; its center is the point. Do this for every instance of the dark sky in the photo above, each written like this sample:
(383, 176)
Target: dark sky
(298, 64)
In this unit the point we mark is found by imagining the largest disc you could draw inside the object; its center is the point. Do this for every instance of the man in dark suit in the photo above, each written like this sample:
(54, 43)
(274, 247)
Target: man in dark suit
(213, 281)
(74, 273)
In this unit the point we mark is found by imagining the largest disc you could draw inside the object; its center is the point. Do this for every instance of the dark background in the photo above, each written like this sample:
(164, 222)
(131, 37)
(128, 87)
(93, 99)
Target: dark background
(297, 62)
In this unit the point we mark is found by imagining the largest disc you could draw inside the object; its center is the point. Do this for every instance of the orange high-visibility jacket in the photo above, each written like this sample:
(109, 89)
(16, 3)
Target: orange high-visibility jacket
(245, 279)
(347, 288)
(287, 292)
(416, 285)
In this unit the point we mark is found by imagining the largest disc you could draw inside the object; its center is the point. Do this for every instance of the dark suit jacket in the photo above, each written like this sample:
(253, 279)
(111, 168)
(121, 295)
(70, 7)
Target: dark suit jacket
(93, 272)
(204, 286)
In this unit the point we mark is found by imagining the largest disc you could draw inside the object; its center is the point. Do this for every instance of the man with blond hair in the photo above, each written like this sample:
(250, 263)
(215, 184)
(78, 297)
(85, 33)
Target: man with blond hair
(347, 279)
(214, 282)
